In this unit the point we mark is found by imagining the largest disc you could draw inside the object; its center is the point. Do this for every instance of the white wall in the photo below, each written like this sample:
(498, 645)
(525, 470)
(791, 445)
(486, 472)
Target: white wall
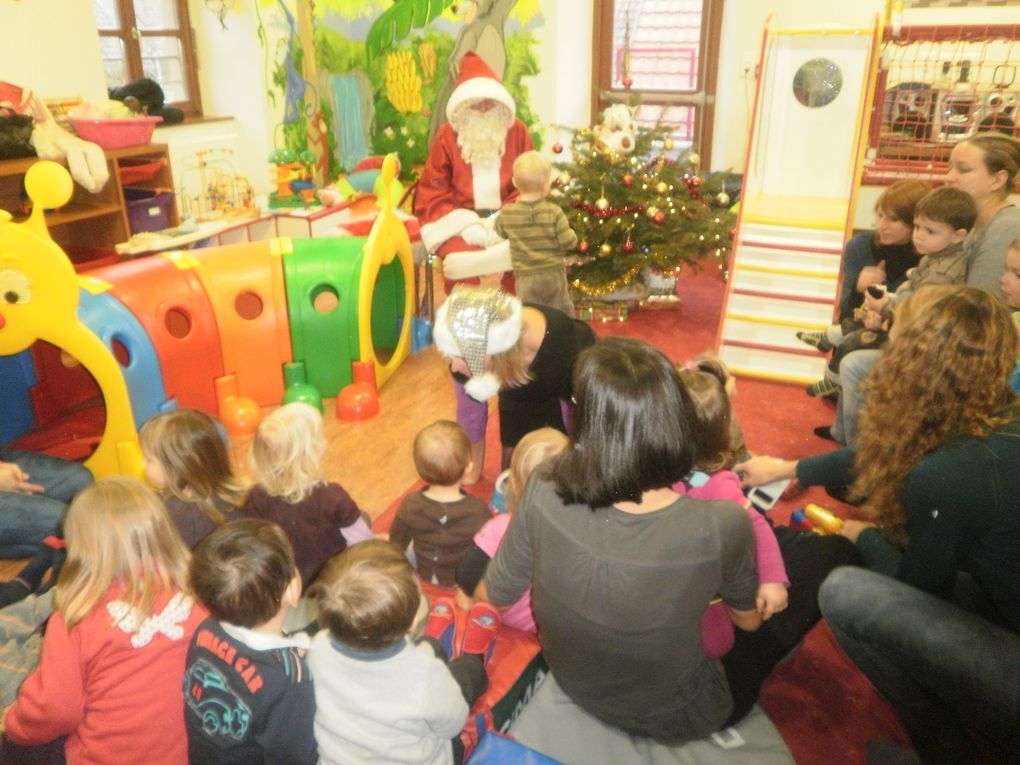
(53, 51)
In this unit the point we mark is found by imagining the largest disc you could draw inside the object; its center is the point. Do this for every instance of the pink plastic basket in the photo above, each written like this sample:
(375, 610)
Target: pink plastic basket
(116, 134)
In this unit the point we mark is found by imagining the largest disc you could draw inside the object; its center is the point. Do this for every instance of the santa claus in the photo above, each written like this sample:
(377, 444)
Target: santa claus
(468, 177)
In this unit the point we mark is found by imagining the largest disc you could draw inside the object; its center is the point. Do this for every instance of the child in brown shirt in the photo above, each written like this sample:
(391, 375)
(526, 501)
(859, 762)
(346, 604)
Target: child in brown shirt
(440, 519)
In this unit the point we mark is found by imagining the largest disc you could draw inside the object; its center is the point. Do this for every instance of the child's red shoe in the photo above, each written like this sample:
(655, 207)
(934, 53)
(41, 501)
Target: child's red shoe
(442, 623)
(480, 634)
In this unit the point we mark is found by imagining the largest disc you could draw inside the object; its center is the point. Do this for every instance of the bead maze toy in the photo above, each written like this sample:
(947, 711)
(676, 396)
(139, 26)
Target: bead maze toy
(226, 330)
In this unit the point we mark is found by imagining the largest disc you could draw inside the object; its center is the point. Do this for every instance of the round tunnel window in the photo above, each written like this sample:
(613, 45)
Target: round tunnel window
(325, 299)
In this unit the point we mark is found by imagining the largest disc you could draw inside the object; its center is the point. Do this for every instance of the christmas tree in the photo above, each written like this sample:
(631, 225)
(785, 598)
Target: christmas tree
(639, 215)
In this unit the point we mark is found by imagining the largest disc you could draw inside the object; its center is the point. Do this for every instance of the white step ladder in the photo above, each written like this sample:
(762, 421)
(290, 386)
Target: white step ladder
(797, 202)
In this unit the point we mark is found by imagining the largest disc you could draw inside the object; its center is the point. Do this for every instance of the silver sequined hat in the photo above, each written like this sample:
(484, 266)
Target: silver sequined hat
(473, 323)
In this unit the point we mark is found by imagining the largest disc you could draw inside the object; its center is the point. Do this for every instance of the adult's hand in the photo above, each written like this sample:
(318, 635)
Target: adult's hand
(13, 478)
(761, 470)
(876, 304)
(871, 275)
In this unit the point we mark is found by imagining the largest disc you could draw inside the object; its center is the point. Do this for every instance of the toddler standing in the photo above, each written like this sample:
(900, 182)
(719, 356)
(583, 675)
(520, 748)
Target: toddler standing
(113, 656)
(247, 691)
(379, 697)
(539, 236)
(319, 517)
(442, 518)
(186, 460)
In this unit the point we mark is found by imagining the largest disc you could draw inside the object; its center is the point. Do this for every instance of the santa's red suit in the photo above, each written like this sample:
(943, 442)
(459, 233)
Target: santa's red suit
(453, 195)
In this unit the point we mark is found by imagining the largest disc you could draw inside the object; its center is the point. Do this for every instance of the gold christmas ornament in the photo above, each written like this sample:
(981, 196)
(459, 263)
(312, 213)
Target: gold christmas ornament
(602, 203)
(651, 212)
(723, 199)
(662, 187)
(668, 144)
(564, 178)
(606, 250)
(693, 158)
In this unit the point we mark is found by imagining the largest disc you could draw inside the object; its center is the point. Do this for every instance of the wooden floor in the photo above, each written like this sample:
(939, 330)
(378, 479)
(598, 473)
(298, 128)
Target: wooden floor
(372, 459)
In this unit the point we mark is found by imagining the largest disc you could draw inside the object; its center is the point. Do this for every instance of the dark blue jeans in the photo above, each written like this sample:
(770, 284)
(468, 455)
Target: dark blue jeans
(25, 519)
(946, 671)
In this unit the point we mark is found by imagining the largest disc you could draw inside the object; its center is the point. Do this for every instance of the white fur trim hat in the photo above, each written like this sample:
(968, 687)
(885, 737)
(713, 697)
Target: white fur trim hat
(476, 82)
(473, 323)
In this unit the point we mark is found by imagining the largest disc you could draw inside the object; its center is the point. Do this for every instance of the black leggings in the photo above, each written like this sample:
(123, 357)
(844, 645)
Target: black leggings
(469, 673)
(808, 558)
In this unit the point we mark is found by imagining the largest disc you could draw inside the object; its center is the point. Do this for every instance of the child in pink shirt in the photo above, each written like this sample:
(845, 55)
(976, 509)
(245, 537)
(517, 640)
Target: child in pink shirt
(720, 446)
(532, 450)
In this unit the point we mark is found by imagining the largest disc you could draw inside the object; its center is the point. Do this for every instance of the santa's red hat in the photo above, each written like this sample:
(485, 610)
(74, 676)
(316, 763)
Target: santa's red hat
(476, 82)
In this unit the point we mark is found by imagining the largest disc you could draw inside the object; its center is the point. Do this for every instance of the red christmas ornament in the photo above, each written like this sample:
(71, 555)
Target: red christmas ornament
(628, 180)
(582, 247)
(660, 217)
(694, 182)
(557, 148)
(628, 246)
(627, 81)
(733, 233)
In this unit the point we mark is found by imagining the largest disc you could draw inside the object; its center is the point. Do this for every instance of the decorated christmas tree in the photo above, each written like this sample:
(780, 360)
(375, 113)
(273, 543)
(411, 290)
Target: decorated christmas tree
(639, 215)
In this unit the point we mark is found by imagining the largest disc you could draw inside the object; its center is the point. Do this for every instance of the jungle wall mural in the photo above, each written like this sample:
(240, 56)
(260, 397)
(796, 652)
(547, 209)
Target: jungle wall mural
(362, 78)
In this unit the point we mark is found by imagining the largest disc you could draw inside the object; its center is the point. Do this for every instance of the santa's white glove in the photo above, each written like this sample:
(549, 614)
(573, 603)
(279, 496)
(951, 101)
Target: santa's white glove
(476, 235)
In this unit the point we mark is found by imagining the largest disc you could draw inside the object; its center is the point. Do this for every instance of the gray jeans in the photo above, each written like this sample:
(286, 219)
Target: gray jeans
(852, 371)
(945, 670)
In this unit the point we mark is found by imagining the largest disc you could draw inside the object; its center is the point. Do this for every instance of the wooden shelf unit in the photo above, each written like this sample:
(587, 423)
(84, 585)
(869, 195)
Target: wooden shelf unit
(94, 221)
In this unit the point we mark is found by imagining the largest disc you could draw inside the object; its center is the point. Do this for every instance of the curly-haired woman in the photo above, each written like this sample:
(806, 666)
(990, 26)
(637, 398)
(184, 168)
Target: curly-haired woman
(937, 463)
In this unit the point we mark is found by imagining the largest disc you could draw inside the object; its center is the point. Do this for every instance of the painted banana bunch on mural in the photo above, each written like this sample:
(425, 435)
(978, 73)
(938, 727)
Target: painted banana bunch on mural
(403, 85)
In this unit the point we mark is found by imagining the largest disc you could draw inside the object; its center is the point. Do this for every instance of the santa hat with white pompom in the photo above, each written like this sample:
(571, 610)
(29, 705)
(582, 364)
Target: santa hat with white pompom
(473, 323)
(476, 82)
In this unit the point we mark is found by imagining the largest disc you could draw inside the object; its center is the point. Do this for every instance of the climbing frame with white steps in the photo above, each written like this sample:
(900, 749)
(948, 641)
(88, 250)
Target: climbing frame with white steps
(798, 199)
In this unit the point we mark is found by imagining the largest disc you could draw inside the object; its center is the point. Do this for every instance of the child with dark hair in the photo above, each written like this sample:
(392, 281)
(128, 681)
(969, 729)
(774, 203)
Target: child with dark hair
(248, 695)
(942, 219)
(440, 519)
(719, 446)
(380, 697)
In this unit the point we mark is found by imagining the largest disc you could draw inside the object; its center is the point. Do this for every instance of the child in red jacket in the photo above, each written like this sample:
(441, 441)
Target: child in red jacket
(113, 657)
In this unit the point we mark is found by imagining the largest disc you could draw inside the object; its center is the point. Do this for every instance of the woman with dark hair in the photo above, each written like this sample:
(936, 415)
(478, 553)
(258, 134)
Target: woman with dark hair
(936, 466)
(622, 566)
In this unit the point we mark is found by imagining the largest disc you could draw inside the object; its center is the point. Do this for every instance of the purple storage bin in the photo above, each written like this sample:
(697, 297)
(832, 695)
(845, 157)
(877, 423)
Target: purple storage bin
(147, 209)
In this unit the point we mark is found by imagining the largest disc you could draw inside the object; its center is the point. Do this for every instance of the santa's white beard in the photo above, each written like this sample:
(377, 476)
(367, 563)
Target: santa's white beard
(481, 136)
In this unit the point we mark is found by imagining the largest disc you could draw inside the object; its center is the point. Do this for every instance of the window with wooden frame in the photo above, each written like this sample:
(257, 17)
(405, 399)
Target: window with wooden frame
(150, 38)
(663, 55)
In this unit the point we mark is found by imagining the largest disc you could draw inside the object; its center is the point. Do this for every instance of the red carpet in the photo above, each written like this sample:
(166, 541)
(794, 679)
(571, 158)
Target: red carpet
(824, 707)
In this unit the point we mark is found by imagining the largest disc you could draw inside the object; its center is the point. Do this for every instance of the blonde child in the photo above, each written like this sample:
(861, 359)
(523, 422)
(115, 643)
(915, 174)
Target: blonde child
(531, 451)
(186, 460)
(1009, 284)
(440, 519)
(113, 656)
(539, 234)
(719, 448)
(318, 516)
(379, 696)
(244, 573)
